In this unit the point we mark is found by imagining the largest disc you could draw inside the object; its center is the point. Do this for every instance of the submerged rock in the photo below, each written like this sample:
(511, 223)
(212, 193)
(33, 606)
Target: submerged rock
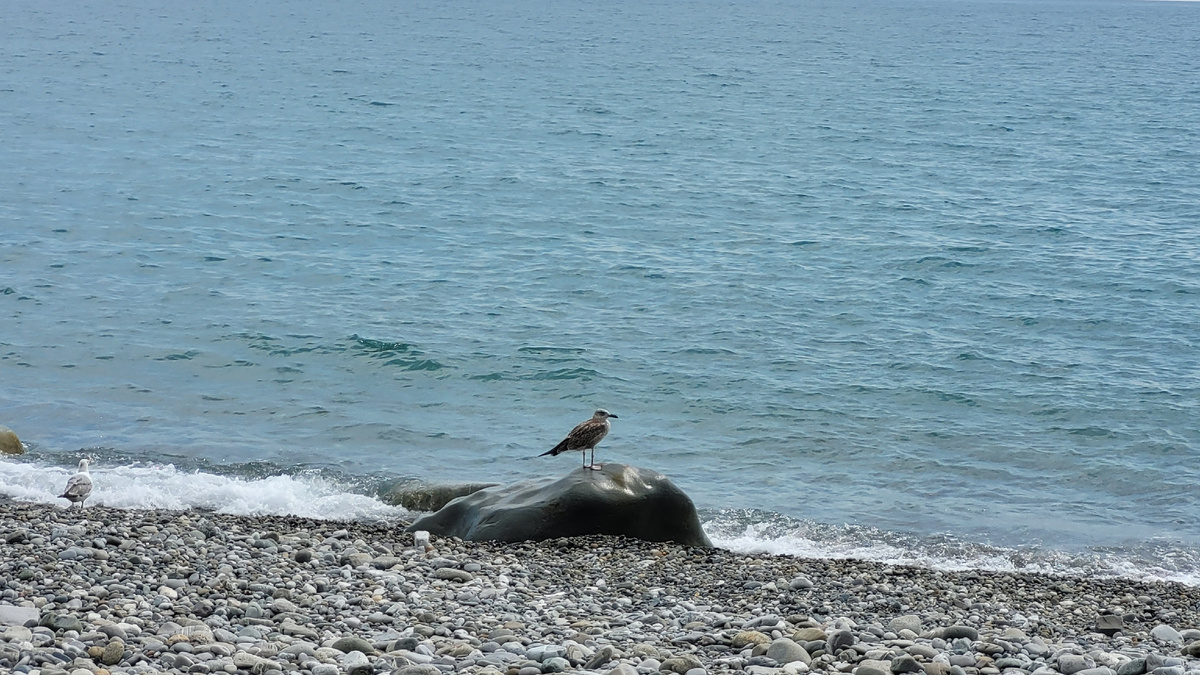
(424, 497)
(616, 500)
(9, 443)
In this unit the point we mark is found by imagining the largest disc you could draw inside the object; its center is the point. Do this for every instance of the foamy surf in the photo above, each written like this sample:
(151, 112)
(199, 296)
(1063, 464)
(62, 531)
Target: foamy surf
(757, 532)
(154, 486)
(163, 486)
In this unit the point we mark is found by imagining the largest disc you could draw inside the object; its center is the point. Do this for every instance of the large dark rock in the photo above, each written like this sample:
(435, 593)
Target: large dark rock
(618, 500)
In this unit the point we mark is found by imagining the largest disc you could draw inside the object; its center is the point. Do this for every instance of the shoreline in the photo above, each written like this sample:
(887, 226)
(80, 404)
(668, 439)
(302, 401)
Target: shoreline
(190, 591)
(749, 530)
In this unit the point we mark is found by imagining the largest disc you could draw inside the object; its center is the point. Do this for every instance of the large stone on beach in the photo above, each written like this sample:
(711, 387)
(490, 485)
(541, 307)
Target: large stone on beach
(351, 643)
(60, 622)
(1109, 624)
(1132, 667)
(1069, 664)
(907, 622)
(1165, 633)
(838, 640)
(247, 661)
(113, 652)
(936, 668)
(616, 500)
(808, 635)
(955, 632)
(9, 443)
(872, 667)
(681, 664)
(785, 650)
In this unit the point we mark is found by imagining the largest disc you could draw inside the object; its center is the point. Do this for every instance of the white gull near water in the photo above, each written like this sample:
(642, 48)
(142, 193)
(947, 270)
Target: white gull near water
(79, 486)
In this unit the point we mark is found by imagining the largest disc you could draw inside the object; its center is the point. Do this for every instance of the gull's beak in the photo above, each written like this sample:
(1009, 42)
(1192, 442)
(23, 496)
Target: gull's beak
(612, 416)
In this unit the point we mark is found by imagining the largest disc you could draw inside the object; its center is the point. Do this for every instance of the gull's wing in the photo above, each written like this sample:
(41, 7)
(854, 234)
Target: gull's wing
(80, 485)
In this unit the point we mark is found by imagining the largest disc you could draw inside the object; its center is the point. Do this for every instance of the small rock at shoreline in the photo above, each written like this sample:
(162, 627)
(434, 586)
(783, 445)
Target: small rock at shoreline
(9, 443)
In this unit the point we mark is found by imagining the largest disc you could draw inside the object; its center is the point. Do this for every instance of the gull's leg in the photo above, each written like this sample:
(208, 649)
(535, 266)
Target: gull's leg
(594, 466)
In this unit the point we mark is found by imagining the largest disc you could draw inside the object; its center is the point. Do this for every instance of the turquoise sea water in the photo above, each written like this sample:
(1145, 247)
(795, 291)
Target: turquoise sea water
(917, 281)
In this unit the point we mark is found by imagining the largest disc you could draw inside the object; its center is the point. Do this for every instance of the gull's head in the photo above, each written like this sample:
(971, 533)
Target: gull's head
(603, 414)
(83, 465)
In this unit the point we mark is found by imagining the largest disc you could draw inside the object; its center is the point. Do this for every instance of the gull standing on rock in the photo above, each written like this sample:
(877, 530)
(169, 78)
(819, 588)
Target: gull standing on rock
(79, 486)
(584, 437)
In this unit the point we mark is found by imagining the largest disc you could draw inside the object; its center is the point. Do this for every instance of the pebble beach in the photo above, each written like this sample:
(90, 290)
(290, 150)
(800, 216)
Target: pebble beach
(107, 591)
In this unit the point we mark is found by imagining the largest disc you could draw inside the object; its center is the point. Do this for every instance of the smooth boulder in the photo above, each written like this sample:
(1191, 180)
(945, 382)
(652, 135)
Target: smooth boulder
(617, 500)
(9, 443)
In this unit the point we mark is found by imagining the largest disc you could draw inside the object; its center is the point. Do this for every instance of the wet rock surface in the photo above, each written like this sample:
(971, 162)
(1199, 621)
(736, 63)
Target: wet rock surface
(616, 500)
(426, 497)
(192, 592)
(9, 443)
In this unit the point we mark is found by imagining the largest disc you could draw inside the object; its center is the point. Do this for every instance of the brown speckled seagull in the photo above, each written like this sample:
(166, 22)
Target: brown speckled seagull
(584, 437)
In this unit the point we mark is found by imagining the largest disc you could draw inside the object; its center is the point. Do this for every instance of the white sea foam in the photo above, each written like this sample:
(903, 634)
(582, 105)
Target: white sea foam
(163, 486)
(857, 544)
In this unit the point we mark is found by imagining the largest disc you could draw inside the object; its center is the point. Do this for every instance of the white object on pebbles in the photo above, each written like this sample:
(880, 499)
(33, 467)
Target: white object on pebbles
(421, 541)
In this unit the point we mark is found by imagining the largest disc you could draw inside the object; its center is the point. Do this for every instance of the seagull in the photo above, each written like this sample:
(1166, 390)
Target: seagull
(585, 436)
(79, 487)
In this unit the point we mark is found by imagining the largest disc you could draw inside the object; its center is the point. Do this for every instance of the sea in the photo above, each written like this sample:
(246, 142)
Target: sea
(913, 281)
